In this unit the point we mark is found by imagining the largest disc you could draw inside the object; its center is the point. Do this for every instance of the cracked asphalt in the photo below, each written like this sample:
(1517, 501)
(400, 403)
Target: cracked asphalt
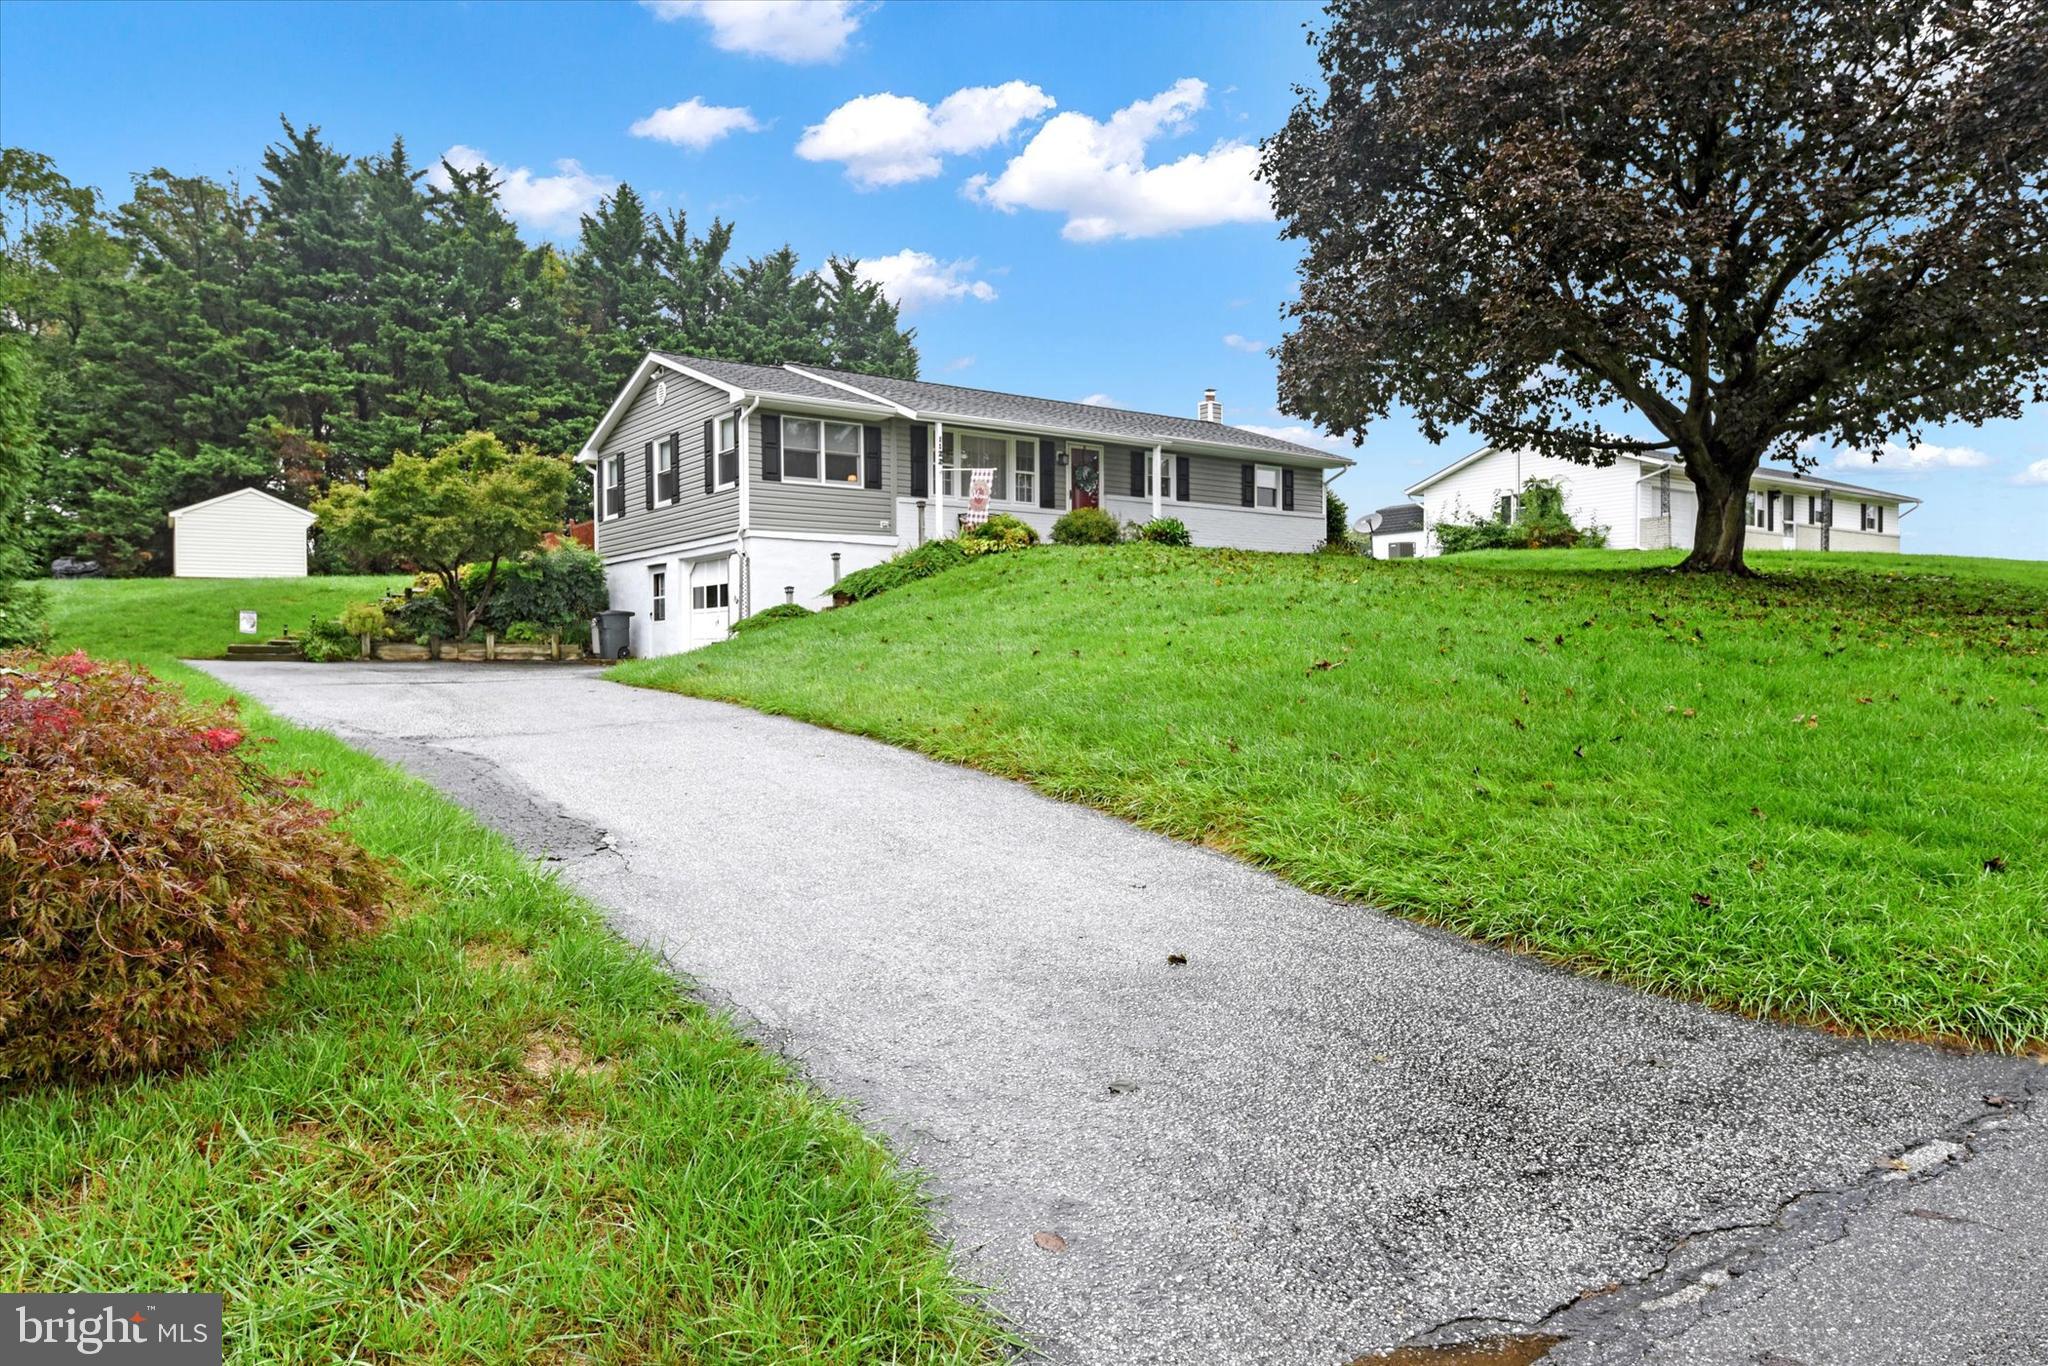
(1329, 1133)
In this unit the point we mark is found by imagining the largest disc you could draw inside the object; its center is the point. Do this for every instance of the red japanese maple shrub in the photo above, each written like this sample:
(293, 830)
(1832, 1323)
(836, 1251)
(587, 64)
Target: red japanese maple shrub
(155, 883)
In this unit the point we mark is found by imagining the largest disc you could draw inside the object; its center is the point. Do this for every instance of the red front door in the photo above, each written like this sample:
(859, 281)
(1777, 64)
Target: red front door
(1087, 467)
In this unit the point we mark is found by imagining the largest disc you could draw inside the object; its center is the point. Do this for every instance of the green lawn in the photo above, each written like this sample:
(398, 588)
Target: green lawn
(1822, 796)
(153, 619)
(492, 1133)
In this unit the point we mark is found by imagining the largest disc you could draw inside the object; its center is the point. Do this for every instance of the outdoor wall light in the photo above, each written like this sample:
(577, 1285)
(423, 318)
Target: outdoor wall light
(1061, 457)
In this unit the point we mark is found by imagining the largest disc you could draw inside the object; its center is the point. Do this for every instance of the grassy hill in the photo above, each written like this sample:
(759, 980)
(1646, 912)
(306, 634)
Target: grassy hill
(1818, 796)
(150, 620)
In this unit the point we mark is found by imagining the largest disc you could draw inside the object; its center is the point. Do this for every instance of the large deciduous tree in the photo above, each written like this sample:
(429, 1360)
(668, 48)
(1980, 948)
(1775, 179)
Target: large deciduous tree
(471, 503)
(1762, 227)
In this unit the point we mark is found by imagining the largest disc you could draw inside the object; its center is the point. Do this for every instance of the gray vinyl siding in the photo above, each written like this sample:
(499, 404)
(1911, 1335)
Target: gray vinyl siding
(829, 509)
(1216, 479)
(695, 516)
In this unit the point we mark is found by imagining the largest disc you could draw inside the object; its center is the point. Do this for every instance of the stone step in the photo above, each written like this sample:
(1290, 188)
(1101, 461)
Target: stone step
(269, 649)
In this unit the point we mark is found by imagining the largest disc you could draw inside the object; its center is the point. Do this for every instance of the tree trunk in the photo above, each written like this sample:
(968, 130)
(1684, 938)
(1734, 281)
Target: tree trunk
(1721, 526)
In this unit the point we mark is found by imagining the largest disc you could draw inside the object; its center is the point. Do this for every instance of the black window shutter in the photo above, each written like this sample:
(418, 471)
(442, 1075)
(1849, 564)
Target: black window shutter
(675, 467)
(1286, 490)
(872, 437)
(1248, 477)
(771, 448)
(920, 462)
(1180, 479)
(1138, 474)
(650, 476)
(1048, 497)
(710, 456)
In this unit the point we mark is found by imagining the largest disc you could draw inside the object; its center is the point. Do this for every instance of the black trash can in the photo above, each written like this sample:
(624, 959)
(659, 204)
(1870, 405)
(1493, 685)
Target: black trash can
(611, 634)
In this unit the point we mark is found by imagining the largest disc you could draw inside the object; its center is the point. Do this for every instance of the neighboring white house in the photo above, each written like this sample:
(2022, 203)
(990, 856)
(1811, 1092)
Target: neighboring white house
(725, 489)
(246, 534)
(1397, 532)
(1647, 503)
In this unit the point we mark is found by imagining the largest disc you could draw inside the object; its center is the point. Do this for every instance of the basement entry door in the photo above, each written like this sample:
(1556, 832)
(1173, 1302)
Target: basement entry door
(710, 601)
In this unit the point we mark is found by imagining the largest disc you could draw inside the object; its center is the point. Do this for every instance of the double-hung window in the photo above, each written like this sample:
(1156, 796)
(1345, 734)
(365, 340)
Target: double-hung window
(728, 451)
(1267, 490)
(1024, 483)
(1873, 516)
(821, 451)
(613, 476)
(1165, 475)
(665, 471)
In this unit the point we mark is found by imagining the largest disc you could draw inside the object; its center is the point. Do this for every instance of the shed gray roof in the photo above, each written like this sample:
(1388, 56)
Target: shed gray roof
(1399, 518)
(953, 402)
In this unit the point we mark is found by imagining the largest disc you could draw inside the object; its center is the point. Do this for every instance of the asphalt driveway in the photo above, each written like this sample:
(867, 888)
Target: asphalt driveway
(1328, 1132)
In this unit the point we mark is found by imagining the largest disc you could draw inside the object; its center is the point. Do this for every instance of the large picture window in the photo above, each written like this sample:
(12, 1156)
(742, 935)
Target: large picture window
(979, 452)
(821, 451)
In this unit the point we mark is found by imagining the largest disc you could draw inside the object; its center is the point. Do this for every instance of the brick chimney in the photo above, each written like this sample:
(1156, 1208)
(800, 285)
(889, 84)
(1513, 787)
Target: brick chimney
(1210, 410)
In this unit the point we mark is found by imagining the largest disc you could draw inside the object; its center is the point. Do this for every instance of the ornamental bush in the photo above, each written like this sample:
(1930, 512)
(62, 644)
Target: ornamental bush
(328, 641)
(560, 590)
(363, 619)
(1085, 526)
(933, 557)
(999, 533)
(155, 883)
(781, 611)
(1165, 531)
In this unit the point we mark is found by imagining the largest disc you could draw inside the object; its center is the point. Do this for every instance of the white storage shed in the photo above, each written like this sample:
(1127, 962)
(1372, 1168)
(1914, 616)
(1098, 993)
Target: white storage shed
(247, 534)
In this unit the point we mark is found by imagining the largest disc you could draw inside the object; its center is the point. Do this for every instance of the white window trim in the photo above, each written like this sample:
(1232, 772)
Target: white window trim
(674, 446)
(1010, 440)
(1166, 479)
(860, 455)
(606, 483)
(719, 450)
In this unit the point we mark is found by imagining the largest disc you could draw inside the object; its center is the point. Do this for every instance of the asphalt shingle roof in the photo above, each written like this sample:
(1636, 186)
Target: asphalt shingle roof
(988, 405)
(1398, 518)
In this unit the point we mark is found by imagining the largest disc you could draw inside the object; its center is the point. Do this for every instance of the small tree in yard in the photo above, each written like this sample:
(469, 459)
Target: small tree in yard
(472, 503)
(1763, 228)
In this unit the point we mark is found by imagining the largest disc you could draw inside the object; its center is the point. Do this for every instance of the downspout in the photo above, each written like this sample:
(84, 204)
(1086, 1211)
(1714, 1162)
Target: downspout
(746, 506)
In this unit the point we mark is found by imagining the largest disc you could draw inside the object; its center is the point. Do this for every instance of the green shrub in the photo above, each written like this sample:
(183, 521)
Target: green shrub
(933, 557)
(328, 641)
(363, 619)
(527, 633)
(424, 615)
(999, 533)
(1086, 526)
(781, 611)
(1165, 531)
(1337, 524)
(158, 884)
(558, 590)
(1540, 523)
(24, 615)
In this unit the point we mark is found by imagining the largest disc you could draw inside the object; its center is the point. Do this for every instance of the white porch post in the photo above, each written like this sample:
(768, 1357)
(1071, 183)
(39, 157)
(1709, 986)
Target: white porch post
(938, 454)
(1158, 467)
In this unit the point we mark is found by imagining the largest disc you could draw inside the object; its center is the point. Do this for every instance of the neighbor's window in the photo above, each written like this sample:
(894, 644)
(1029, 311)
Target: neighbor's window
(982, 453)
(800, 443)
(728, 451)
(1024, 485)
(658, 587)
(1503, 507)
(665, 471)
(1269, 486)
(1873, 516)
(614, 474)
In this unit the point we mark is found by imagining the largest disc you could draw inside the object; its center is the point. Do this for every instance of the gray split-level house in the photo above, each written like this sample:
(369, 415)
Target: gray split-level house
(723, 489)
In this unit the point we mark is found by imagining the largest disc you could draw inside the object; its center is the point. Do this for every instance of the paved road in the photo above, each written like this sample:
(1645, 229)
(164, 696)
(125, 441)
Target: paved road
(1328, 1133)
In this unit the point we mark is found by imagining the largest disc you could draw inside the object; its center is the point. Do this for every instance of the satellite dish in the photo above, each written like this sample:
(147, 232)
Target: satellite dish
(1367, 525)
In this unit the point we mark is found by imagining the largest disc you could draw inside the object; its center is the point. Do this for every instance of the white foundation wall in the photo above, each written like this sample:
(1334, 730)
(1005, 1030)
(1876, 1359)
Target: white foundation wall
(630, 583)
(777, 563)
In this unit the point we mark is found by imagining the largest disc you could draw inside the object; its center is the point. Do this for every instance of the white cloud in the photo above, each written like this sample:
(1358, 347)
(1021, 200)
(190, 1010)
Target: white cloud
(1913, 459)
(2036, 473)
(894, 139)
(1300, 436)
(695, 124)
(1099, 401)
(1244, 344)
(914, 279)
(548, 202)
(798, 31)
(1095, 174)
(958, 363)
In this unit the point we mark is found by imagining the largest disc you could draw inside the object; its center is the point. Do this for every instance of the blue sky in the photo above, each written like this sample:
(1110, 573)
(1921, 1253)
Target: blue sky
(1057, 192)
